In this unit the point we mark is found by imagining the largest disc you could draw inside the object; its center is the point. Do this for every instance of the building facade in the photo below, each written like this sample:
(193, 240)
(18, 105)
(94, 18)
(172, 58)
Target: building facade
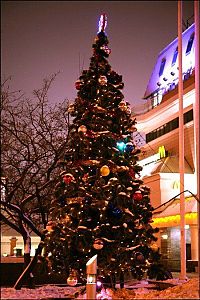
(158, 137)
(12, 243)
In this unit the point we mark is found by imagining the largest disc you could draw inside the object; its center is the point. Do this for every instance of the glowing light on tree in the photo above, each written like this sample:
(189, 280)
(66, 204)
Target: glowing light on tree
(102, 23)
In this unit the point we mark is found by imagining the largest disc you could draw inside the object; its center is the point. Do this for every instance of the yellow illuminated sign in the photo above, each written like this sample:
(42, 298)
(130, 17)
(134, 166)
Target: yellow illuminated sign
(176, 184)
(162, 152)
(175, 220)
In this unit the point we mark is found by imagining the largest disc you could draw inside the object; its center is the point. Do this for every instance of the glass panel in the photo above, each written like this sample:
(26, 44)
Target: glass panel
(175, 56)
(189, 45)
(162, 65)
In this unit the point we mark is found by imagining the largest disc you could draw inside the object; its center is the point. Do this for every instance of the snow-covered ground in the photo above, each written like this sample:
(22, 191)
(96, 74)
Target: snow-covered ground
(188, 289)
(183, 290)
(44, 292)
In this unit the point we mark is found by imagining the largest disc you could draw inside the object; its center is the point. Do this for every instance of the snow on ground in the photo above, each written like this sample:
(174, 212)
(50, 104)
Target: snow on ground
(183, 290)
(44, 292)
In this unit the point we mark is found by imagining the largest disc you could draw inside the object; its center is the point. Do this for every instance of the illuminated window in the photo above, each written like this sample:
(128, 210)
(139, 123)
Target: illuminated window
(189, 45)
(156, 99)
(175, 56)
(169, 126)
(162, 65)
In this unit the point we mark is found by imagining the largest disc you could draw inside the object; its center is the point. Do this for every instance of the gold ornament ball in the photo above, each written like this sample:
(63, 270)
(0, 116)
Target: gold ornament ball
(82, 128)
(103, 80)
(123, 106)
(122, 103)
(67, 218)
(105, 171)
(98, 244)
(50, 226)
(72, 280)
(154, 247)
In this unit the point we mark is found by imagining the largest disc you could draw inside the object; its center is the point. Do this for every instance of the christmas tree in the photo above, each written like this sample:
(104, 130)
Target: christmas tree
(101, 205)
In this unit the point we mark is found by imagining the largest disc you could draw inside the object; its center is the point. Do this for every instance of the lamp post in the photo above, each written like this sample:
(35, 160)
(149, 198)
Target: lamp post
(91, 270)
(196, 113)
(181, 146)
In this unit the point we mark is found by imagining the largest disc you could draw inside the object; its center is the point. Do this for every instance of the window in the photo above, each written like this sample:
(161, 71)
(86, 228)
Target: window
(188, 116)
(169, 126)
(174, 124)
(156, 99)
(162, 65)
(175, 56)
(189, 45)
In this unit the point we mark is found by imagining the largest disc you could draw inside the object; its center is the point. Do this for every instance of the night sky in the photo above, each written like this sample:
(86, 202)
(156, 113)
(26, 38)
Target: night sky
(39, 38)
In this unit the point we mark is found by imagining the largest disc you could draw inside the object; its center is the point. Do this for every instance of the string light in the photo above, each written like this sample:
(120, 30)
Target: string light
(174, 219)
(121, 146)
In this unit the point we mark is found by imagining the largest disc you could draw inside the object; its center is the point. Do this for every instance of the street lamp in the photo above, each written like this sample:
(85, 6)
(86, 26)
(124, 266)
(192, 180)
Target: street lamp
(91, 270)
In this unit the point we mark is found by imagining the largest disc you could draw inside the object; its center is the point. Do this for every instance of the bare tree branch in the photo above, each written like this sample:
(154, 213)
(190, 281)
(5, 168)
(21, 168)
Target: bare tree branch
(33, 140)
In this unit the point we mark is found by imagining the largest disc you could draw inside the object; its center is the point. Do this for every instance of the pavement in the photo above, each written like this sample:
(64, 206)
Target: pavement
(188, 275)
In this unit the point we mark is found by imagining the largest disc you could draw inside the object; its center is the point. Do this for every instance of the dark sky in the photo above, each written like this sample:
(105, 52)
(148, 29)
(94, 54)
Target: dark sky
(39, 38)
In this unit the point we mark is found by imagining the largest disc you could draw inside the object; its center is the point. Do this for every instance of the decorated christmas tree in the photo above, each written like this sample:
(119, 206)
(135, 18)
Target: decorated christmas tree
(101, 205)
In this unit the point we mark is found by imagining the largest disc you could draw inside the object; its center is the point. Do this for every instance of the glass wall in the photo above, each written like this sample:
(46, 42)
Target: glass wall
(170, 247)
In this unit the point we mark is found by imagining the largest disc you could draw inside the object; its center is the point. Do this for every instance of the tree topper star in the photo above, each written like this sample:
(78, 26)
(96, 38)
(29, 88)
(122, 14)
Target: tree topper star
(102, 23)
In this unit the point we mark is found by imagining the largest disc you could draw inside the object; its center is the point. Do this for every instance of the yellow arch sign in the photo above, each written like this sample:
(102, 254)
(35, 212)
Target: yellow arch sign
(162, 152)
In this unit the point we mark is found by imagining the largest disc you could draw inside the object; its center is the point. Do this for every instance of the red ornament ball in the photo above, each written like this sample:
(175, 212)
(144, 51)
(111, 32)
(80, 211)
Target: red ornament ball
(139, 257)
(78, 84)
(68, 178)
(137, 196)
(90, 134)
(131, 173)
(85, 177)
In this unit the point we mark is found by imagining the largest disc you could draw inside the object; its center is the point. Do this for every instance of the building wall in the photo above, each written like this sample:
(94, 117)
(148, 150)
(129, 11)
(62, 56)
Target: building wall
(171, 142)
(12, 243)
(158, 126)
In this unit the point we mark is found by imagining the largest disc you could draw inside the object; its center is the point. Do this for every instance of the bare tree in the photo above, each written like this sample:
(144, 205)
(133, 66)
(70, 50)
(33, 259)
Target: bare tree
(33, 139)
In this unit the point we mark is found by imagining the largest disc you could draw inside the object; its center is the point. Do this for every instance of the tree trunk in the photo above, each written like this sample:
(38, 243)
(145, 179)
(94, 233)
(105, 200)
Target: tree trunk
(27, 273)
(27, 259)
(113, 281)
(121, 279)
